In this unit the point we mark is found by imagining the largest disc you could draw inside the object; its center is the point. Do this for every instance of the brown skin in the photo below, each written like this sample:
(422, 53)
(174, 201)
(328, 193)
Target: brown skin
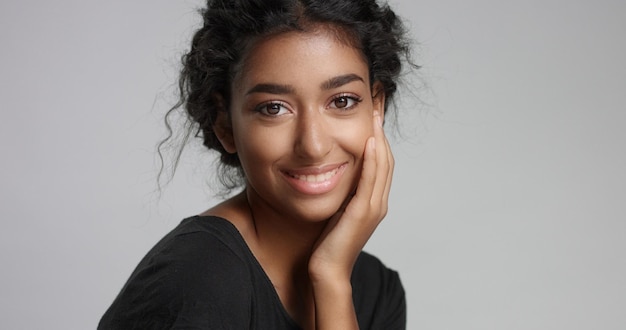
(322, 119)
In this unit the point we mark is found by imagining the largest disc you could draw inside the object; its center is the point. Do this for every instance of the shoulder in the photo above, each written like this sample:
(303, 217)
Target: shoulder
(197, 247)
(378, 294)
(198, 251)
(199, 269)
(200, 240)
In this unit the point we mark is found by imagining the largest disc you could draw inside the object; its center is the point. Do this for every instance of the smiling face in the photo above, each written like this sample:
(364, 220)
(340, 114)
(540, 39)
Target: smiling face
(301, 111)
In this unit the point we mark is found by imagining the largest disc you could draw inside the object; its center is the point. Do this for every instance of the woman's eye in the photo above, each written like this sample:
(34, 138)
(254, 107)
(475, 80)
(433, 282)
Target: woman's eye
(272, 109)
(344, 102)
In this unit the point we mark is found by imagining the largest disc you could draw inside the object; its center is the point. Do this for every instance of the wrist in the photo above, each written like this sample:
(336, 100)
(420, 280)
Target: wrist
(332, 285)
(330, 268)
(334, 308)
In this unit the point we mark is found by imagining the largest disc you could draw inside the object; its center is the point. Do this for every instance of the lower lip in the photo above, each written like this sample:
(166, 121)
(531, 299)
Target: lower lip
(315, 188)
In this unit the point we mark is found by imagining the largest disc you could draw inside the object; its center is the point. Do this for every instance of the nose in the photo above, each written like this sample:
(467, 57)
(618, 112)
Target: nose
(313, 137)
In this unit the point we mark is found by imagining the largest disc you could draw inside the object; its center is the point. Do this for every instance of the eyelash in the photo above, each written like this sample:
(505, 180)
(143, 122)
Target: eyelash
(349, 98)
(262, 108)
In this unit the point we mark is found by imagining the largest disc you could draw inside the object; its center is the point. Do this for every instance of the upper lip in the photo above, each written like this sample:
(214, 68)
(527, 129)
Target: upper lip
(314, 170)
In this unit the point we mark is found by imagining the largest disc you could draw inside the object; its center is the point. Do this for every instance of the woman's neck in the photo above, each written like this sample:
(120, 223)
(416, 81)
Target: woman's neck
(273, 237)
(285, 237)
(281, 245)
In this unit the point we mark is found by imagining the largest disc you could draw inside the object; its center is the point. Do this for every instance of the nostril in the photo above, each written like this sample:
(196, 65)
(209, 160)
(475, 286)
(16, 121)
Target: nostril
(312, 140)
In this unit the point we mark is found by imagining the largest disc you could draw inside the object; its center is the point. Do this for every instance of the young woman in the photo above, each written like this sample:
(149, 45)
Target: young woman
(292, 94)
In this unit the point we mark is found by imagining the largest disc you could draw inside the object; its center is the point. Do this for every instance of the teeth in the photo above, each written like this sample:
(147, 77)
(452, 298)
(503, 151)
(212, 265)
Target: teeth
(316, 178)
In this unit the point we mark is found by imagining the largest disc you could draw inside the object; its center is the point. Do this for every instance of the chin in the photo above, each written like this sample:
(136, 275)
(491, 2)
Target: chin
(317, 210)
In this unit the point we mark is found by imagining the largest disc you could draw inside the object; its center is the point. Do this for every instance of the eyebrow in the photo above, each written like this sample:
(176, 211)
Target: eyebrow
(331, 83)
(271, 89)
(339, 81)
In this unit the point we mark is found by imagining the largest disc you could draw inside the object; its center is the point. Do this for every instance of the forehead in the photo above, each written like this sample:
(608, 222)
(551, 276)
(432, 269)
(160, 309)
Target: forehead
(301, 56)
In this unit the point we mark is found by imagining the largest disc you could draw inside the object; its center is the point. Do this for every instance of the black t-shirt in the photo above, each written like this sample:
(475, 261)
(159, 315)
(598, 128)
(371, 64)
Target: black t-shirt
(202, 275)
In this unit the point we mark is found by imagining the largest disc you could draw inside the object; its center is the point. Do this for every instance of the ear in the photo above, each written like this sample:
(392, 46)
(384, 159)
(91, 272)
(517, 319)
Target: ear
(378, 97)
(223, 127)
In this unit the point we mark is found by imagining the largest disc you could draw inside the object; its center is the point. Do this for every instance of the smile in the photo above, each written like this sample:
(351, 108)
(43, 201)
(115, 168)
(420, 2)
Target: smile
(315, 181)
(315, 178)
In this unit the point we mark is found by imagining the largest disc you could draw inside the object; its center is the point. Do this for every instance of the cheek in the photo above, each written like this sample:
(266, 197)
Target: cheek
(354, 135)
(259, 145)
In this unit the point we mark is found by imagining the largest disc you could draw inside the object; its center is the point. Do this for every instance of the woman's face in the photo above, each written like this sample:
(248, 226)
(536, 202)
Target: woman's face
(301, 110)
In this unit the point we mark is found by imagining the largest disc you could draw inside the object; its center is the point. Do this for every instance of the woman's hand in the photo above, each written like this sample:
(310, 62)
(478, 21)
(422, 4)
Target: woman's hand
(346, 233)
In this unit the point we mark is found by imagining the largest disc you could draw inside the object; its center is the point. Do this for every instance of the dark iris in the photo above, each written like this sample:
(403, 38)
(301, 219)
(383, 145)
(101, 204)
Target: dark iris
(341, 102)
(273, 109)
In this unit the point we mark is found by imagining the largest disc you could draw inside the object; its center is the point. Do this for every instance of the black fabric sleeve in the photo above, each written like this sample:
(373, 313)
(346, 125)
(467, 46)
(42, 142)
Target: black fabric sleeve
(396, 303)
(188, 281)
(378, 295)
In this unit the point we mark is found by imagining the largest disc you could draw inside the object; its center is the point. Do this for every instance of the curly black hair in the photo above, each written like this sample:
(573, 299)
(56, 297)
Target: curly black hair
(232, 26)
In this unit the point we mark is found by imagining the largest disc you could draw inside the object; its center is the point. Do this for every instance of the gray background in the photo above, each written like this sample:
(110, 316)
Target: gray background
(509, 203)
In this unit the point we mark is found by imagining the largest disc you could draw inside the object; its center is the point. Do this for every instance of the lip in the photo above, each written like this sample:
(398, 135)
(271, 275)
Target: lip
(315, 180)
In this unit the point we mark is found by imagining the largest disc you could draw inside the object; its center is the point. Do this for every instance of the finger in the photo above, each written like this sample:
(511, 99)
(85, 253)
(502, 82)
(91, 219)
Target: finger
(367, 180)
(388, 182)
(391, 163)
(386, 165)
(382, 161)
(356, 204)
